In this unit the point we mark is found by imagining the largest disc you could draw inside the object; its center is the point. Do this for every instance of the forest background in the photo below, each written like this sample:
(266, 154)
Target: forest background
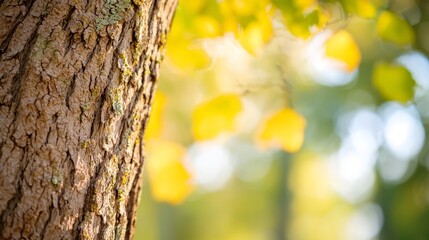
(298, 119)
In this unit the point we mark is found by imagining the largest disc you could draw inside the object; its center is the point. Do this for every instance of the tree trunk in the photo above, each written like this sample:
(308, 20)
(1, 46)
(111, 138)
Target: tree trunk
(77, 79)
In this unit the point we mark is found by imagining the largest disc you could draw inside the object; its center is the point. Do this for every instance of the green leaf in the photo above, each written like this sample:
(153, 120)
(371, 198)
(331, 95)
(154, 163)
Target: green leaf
(394, 82)
(284, 6)
(393, 28)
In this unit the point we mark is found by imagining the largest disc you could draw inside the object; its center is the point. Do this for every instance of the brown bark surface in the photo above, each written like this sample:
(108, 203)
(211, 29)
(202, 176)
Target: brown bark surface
(76, 84)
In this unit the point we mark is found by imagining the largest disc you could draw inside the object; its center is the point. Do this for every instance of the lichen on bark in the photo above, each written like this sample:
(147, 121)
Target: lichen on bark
(113, 11)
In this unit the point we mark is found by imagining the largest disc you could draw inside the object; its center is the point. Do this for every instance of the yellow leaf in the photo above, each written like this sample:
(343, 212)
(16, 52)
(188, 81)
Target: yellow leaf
(216, 116)
(365, 9)
(256, 34)
(393, 28)
(284, 129)
(192, 5)
(169, 179)
(154, 127)
(186, 57)
(206, 26)
(244, 7)
(230, 24)
(325, 16)
(341, 46)
(394, 82)
(305, 4)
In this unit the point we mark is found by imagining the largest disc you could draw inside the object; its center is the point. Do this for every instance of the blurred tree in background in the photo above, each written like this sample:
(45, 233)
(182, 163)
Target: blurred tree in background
(291, 119)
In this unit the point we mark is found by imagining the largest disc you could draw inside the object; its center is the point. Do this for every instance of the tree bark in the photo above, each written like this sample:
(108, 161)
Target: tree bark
(77, 80)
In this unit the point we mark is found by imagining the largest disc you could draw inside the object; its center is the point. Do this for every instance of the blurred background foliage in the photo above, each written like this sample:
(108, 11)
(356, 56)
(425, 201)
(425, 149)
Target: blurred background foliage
(290, 119)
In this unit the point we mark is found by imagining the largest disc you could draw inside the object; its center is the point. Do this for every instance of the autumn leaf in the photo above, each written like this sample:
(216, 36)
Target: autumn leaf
(243, 7)
(254, 37)
(170, 181)
(342, 47)
(256, 34)
(284, 129)
(192, 5)
(207, 27)
(216, 116)
(187, 56)
(394, 82)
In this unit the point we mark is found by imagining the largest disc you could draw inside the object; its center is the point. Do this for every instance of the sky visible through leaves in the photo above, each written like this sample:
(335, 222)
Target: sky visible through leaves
(290, 119)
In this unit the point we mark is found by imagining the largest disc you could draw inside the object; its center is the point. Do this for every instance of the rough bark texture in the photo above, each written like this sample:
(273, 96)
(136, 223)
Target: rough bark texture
(77, 79)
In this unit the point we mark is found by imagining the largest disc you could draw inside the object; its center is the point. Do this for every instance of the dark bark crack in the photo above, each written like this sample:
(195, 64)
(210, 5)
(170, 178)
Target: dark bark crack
(24, 58)
(14, 201)
(45, 226)
(20, 19)
(68, 18)
(70, 91)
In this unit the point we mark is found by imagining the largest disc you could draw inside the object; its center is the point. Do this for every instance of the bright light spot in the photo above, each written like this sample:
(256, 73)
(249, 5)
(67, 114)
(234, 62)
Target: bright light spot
(353, 164)
(365, 224)
(391, 168)
(323, 70)
(404, 133)
(418, 65)
(364, 142)
(352, 174)
(210, 164)
(366, 130)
